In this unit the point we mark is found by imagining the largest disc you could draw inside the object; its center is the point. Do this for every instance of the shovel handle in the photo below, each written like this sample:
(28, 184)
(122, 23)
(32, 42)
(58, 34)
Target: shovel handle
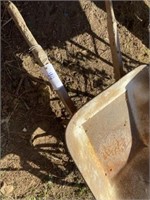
(40, 56)
(114, 40)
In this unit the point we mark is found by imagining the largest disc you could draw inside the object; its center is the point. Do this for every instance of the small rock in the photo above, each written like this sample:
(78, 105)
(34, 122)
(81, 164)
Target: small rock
(24, 130)
(85, 52)
(41, 137)
(6, 189)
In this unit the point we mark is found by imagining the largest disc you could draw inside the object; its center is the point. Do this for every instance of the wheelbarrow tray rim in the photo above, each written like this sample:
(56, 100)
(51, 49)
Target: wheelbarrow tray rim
(77, 138)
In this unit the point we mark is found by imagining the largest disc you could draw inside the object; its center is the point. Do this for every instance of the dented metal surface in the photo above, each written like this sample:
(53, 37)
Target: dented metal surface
(109, 137)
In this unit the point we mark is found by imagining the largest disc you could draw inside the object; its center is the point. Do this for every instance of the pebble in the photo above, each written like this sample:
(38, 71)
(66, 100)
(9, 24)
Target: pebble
(6, 189)
(24, 130)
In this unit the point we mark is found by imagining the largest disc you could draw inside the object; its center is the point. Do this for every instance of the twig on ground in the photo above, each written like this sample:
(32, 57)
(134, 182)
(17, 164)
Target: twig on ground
(7, 120)
(5, 41)
(3, 14)
(9, 20)
(19, 85)
(26, 105)
(26, 91)
(9, 74)
(6, 22)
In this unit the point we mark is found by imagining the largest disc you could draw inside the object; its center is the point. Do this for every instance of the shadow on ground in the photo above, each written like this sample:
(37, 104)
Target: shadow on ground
(134, 15)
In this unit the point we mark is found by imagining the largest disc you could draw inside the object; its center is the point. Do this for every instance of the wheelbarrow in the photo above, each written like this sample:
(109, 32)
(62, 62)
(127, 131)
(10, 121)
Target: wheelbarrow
(108, 139)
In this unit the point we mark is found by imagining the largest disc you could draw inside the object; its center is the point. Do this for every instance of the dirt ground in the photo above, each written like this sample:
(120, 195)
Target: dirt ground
(35, 163)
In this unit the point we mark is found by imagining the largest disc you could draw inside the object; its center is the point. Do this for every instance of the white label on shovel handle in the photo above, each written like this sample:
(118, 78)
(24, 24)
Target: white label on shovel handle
(54, 79)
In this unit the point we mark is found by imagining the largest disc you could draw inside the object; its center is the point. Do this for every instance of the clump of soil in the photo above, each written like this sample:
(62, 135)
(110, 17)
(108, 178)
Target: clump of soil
(35, 162)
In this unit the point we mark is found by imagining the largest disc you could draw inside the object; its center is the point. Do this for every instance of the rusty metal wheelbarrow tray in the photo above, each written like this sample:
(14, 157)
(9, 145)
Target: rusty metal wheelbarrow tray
(108, 139)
